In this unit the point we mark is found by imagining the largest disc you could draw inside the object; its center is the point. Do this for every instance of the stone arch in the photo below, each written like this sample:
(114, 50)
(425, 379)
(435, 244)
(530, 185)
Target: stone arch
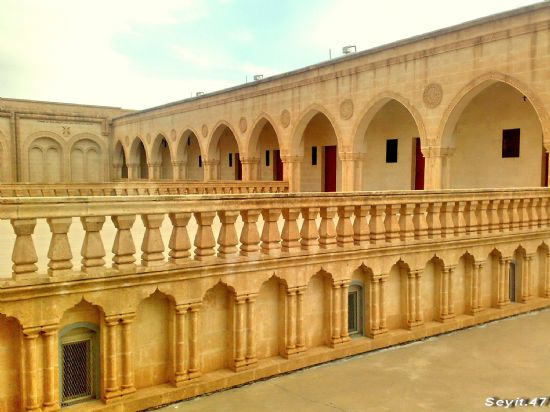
(463, 284)
(317, 309)
(396, 293)
(5, 159)
(224, 151)
(10, 358)
(120, 164)
(152, 337)
(389, 119)
(138, 160)
(432, 289)
(264, 148)
(362, 278)
(161, 157)
(316, 140)
(46, 157)
(86, 159)
(270, 318)
(190, 156)
(542, 280)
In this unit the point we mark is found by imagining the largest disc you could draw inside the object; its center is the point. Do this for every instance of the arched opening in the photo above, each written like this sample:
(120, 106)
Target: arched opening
(321, 167)
(189, 157)
(86, 162)
(542, 281)
(518, 277)
(216, 335)
(431, 290)
(396, 288)
(224, 151)
(152, 335)
(119, 162)
(79, 354)
(10, 359)
(389, 142)
(316, 311)
(264, 145)
(465, 285)
(162, 158)
(495, 128)
(270, 317)
(138, 160)
(359, 299)
(45, 156)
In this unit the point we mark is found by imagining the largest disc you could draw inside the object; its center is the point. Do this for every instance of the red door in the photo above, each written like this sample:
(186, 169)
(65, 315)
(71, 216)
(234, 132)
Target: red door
(239, 168)
(419, 166)
(277, 166)
(330, 169)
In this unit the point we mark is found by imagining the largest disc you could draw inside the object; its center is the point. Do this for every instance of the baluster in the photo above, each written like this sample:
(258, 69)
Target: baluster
(271, 239)
(24, 254)
(204, 239)
(152, 245)
(179, 243)
(504, 215)
(227, 238)
(406, 222)
(391, 224)
(250, 238)
(470, 217)
(59, 252)
(445, 216)
(522, 211)
(434, 222)
(536, 217)
(360, 226)
(123, 247)
(482, 217)
(514, 214)
(420, 222)
(459, 218)
(309, 231)
(545, 216)
(327, 231)
(92, 248)
(344, 229)
(376, 224)
(291, 234)
(492, 216)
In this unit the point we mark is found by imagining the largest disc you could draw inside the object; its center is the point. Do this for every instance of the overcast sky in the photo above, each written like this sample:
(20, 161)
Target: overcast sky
(138, 54)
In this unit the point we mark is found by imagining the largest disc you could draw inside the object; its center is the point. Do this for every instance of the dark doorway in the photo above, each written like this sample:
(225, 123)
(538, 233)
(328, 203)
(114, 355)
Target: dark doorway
(512, 282)
(277, 166)
(419, 164)
(239, 168)
(544, 168)
(330, 168)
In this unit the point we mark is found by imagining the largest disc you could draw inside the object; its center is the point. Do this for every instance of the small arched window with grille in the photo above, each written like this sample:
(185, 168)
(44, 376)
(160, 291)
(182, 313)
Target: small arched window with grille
(79, 358)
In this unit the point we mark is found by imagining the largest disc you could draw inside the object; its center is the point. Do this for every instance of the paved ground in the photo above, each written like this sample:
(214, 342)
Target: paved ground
(454, 372)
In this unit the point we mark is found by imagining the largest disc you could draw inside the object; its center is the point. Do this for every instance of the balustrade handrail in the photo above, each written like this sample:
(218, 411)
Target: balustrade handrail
(347, 221)
(136, 188)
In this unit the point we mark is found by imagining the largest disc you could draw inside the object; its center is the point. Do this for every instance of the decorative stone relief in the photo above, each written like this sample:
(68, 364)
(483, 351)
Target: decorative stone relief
(346, 109)
(66, 130)
(204, 130)
(285, 118)
(433, 93)
(243, 125)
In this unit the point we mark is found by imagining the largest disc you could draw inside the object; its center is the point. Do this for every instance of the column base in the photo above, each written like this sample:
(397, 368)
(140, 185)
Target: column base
(446, 318)
(415, 324)
(335, 342)
(377, 333)
(193, 374)
(50, 408)
(345, 339)
(501, 305)
(251, 361)
(526, 299)
(128, 391)
(473, 311)
(111, 397)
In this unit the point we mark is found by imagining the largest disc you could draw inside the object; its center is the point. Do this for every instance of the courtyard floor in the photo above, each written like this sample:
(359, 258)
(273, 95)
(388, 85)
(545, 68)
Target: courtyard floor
(454, 372)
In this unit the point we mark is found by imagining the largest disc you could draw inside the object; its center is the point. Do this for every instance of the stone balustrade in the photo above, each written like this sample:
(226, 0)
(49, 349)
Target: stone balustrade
(136, 188)
(273, 226)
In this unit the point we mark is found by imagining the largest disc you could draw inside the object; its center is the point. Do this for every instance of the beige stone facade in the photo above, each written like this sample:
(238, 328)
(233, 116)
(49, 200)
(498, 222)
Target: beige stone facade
(126, 294)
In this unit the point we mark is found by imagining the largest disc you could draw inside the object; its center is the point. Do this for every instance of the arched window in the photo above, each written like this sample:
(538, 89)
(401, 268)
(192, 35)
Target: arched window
(79, 369)
(355, 309)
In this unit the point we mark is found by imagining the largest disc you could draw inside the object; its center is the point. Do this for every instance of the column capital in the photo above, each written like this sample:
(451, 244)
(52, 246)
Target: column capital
(182, 308)
(31, 332)
(251, 297)
(449, 268)
(438, 151)
(50, 329)
(128, 317)
(479, 263)
(195, 306)
(291, 158)
(240, 299)
(416, 272)
(112, 320)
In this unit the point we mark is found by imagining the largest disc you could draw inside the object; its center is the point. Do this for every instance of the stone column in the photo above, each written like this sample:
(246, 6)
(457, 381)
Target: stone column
(418, 283)
(179, 170)
(112, 389)
(476, 287)
(179, 243)
(180, 369)
(239, 325)
(300, 330)
(30, 347)
(336, 315)
(154, 171)
(383, 327)
(24, 254)
(51, 356)
(547, 274)
(194, 350)
(211, 169)
(526, 279)
(375, 305)
(123, 247)
(128, 385)
(59, 251)
(351, 176)
(446, 301)
(344, 332)
(92, 248)
(292, 171)
(291, 321)
(503, 298)
(437, 167)
(250, 168)
(251, 330)
(411, 299)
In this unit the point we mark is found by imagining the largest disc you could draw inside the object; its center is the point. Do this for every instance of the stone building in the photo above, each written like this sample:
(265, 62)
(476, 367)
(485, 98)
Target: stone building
(263, 271)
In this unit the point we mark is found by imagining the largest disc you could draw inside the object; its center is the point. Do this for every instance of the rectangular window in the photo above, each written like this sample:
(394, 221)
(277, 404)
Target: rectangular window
(352, 311)
(230, 159)
(267, 157)
(510, 143)
(391, 151)
(76, 372)
(200, 161)
(314, 156)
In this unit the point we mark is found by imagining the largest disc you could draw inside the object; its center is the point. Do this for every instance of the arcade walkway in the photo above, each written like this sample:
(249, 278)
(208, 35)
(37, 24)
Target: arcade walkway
(455, 372)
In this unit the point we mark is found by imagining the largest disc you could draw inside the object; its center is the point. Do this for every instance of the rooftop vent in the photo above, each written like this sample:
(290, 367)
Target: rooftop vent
(199, 94)
(258, 77)
(349, 49)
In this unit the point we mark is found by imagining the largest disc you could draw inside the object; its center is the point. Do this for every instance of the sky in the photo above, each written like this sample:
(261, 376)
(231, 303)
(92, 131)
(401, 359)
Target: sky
(138, 54)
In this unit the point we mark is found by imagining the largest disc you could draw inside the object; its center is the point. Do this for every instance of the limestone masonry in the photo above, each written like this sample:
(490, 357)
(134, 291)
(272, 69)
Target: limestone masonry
(370, 200)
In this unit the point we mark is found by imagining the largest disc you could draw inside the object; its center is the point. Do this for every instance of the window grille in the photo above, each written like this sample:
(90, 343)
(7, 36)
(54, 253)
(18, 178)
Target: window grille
(76, 372)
